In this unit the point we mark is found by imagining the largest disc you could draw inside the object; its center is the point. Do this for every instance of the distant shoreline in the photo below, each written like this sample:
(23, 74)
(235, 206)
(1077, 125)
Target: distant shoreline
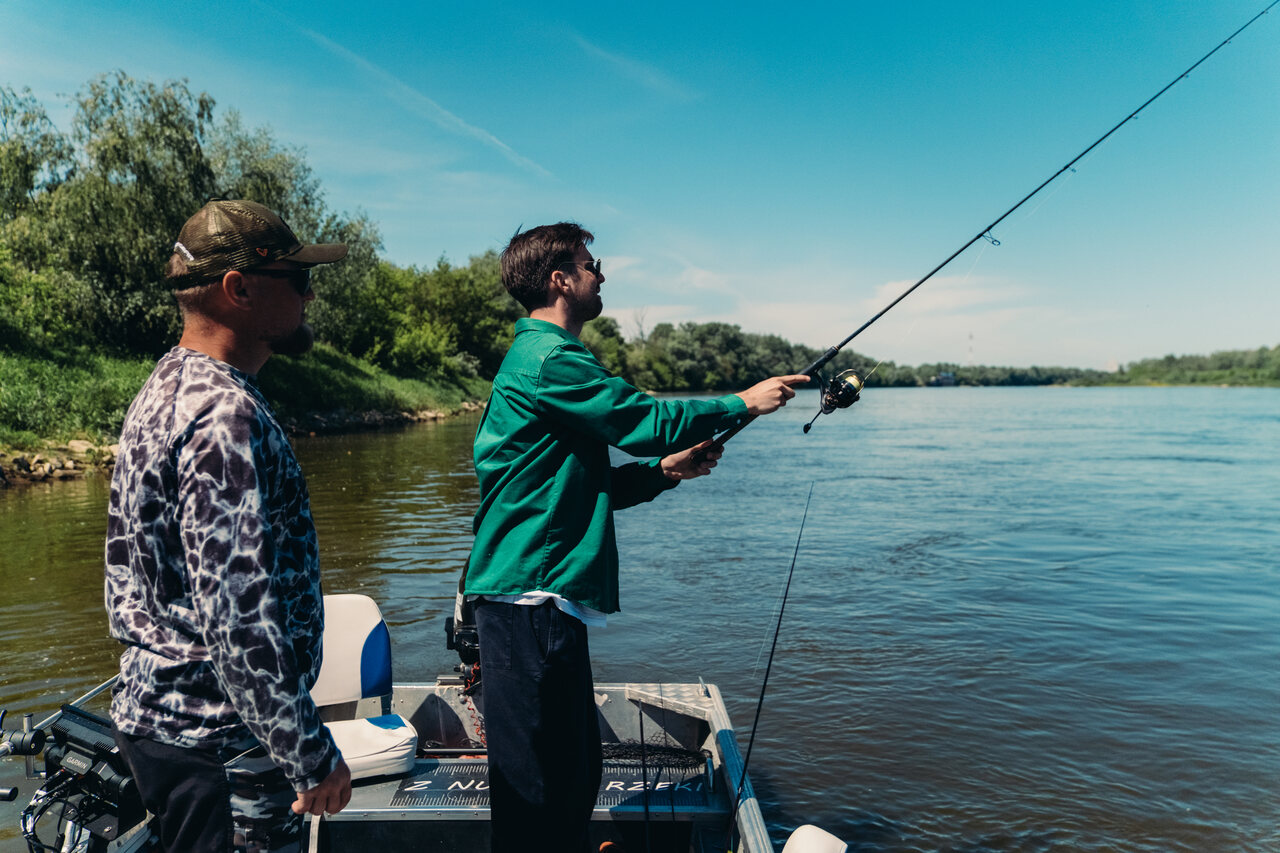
(54, 460)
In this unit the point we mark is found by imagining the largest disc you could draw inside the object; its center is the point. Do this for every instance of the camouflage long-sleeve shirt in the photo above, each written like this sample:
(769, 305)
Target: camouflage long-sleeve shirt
(212, 571)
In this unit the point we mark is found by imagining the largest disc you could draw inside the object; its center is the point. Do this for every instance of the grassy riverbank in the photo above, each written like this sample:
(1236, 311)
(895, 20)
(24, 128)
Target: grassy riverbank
(60, 407)
(61, 396)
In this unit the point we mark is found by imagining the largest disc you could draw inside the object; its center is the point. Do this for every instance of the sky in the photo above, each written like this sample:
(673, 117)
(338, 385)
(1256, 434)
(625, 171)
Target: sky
(788, 168)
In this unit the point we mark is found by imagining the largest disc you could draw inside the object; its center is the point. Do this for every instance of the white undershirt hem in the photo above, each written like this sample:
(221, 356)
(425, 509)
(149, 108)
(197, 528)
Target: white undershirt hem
(586, 615)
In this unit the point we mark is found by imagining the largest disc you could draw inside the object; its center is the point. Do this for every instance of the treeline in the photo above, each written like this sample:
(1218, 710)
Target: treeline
(88, 216)
(720, 356)
(1259, 366)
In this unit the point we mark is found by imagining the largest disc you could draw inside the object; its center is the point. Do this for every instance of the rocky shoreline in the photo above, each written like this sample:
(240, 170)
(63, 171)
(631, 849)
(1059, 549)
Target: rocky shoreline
(56, 462)
(77, 458)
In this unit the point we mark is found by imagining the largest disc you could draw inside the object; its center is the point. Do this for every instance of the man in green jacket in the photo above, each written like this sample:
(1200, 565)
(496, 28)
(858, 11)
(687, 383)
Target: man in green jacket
(544, 565)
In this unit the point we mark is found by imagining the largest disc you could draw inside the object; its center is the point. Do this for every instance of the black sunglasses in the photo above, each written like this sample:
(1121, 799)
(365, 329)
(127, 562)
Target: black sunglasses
(300, 279)
(593, 265)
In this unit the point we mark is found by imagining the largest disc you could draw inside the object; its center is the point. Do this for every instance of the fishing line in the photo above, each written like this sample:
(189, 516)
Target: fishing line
(742, 780)
(847, 395)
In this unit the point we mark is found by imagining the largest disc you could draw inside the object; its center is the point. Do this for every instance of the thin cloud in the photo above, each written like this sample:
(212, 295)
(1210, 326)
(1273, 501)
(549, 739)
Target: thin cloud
(943, 294)
(638, 72)
(678, 276)
(617, 265)
(414, 100)
(699, 279)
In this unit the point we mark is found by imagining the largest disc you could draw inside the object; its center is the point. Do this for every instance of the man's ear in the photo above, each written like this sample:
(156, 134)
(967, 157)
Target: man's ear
(556, 284)
(235, 290)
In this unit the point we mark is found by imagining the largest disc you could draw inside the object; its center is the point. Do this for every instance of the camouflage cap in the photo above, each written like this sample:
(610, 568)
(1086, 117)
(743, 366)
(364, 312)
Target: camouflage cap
(229, 234)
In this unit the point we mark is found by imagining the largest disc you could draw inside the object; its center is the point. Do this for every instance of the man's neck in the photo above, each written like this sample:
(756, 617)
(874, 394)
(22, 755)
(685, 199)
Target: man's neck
(560, 315)
(224, 345)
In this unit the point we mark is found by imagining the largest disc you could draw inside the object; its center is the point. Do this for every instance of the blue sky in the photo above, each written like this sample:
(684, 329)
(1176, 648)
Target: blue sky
(787, 167)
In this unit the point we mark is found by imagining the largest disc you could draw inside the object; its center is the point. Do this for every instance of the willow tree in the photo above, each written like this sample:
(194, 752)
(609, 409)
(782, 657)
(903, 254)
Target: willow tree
(97, 208)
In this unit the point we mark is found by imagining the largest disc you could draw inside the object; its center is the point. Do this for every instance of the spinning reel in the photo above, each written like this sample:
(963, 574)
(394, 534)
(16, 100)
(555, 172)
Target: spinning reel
(840, 393)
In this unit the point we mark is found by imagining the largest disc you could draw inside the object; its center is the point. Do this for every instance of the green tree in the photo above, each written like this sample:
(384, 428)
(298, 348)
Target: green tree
(434, 322)
(250, 163)
(109, 221)
(34, 156)
(474, 303)
(38, 310)
(98, 211)
(604, 338)
(39, 305)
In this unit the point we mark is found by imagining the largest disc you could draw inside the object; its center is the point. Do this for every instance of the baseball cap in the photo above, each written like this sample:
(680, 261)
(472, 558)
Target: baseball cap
(234, 234)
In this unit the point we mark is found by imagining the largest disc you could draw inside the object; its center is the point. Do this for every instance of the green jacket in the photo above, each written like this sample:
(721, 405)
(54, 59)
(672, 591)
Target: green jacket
(547, 489)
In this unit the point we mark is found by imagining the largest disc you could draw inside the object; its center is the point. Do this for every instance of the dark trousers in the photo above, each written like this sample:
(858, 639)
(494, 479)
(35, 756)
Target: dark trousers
(213, 800)
(540, 726)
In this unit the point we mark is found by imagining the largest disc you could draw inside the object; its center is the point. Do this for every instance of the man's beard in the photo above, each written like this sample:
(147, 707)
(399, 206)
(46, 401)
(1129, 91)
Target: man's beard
(297, 342)
(585, 312)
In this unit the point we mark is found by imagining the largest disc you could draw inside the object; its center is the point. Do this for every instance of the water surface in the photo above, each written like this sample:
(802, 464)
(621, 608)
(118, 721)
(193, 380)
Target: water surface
(1021, 619)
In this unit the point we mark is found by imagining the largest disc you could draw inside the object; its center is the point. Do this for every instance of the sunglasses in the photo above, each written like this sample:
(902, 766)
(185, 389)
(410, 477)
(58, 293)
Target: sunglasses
(593, 266)
(299, 279)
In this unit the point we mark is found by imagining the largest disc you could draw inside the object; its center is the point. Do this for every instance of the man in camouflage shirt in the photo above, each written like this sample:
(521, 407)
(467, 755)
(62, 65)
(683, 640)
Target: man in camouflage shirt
(212, 568)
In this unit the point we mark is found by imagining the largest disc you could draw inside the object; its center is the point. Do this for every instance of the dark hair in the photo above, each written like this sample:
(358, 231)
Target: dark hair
(531, 257)
(192, 298)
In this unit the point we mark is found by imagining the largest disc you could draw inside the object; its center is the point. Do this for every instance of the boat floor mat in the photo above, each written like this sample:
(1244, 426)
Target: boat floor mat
(458, 789)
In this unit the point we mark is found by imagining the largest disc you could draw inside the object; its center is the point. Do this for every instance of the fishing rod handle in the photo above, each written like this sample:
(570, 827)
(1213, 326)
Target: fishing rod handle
(823, 360)
(810, 371)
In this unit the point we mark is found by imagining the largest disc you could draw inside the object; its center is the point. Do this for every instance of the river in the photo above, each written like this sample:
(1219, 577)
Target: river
(1031, 619)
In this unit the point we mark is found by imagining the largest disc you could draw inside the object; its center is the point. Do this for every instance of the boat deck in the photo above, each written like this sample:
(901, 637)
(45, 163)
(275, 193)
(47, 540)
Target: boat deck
(669, 790)
(460, 788)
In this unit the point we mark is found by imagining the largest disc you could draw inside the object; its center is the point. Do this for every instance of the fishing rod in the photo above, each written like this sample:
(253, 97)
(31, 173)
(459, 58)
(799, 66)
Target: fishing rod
(843, 390)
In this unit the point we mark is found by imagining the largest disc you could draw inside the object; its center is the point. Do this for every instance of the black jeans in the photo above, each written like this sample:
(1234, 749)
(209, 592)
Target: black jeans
(540, 725)
(218, 800)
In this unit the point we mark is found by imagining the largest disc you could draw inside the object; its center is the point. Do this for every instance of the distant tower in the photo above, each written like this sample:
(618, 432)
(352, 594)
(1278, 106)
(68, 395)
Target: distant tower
(971, 349)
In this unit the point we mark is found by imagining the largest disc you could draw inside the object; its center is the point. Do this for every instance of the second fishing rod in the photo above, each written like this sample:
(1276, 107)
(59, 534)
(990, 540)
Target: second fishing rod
(844, 390)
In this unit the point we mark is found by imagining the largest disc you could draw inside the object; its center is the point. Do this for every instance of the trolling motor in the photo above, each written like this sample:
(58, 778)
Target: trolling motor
(87, 801)
(20, 741)
(460, 634)
(25, 741)
(840, 393)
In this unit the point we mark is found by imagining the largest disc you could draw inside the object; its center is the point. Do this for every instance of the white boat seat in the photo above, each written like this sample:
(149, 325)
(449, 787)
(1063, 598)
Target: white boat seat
(376, 746)
(811, 839)
(357, 665)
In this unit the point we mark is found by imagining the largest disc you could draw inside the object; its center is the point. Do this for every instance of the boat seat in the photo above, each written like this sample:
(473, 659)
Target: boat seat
(811, 839)
(357, 665)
